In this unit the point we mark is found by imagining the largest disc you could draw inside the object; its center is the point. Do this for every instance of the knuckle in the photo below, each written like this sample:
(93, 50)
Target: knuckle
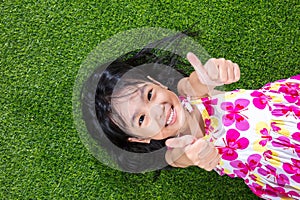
(223, 79)
(212, 59)
(201, 166)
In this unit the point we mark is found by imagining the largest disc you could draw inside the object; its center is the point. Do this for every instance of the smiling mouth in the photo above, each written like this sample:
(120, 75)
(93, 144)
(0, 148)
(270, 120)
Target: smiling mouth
(172, 117)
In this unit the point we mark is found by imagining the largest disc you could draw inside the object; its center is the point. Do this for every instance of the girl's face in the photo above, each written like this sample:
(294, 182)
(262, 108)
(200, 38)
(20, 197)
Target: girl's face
(150, 111)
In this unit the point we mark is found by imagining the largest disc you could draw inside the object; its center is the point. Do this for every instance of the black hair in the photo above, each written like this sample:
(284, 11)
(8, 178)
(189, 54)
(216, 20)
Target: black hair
(102, 109)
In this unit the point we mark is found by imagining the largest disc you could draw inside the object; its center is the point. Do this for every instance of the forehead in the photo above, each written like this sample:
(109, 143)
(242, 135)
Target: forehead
(127, 95)
(127, 91)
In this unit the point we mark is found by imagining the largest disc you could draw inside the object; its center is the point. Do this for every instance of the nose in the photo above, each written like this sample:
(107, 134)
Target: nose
(157, 122)
(156, 110)
(157, 113)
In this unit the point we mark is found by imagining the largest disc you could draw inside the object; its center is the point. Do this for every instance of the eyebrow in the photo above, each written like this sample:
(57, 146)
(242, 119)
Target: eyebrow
(134, 116)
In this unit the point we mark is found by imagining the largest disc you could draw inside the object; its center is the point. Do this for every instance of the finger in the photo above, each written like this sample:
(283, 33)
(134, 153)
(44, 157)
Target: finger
(198, 67)
(223, 72)
(237, 72)
(209, 158)
(212, 158)
(214, 162)
(230, 72)
(211, 66)
(194, 60)
(201, 145)
(180, 142)
(198, 151)
(192, 151)
(209, 153)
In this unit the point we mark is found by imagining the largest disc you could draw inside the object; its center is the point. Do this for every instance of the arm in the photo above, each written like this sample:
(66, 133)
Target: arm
(199, 152)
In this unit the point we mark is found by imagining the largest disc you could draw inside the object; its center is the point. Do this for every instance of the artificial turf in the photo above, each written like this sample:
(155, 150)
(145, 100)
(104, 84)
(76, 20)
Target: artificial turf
(42, 45)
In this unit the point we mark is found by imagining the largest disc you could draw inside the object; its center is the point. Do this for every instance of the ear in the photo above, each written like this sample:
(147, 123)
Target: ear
(133, 139)
(156, 82)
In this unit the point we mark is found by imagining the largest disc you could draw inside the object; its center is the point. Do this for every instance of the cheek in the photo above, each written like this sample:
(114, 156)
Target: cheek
(148, 131)
(151, 131)
(180, 114)
(167, 133)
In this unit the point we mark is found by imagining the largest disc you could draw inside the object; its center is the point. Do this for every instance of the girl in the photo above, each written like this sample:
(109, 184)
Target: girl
(255, 131)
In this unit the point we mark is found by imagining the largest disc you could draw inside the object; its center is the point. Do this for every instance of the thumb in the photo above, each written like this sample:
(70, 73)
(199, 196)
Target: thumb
(198, 67)
(181, 142)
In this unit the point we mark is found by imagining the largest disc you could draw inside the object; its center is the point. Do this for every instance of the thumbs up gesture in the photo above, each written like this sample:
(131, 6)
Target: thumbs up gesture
(215, 72)
(205, 78)
(187, 151)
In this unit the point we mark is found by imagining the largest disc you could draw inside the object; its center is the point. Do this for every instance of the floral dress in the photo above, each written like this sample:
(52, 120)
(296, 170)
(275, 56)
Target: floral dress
(257, 133)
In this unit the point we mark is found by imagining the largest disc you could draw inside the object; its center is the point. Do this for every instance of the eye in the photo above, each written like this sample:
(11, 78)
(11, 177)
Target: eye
(149, 95)
(141, 119)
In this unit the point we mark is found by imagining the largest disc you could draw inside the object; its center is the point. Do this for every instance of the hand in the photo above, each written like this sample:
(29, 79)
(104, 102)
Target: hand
(215, 72)
(190, 151)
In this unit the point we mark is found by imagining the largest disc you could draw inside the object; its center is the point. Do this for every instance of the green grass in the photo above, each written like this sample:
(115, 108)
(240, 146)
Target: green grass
(42, 45)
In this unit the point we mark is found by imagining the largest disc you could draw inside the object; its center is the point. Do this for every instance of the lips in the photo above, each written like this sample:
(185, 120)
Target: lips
(171, 116)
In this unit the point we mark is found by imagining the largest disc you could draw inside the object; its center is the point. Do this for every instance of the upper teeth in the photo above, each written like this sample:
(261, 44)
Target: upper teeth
(171, 117)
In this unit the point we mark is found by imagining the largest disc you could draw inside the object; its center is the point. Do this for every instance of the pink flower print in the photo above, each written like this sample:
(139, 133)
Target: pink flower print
(221, 171)
(275, 191)
(261, 100)
(256, 189)
(281, 142)
(297, 77)
(293, 169)
(281, 179)
(290, 91)
(285, 143)
(293, 194)
(207, 126)
(265, 137)
(267, 154)
(231, 175)
(234, 114)
(274, 127)
(296, 136)
(266, 87)
(208, 105)
(253, 177)
(253, 161)
(233, 143)
(282, 110)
